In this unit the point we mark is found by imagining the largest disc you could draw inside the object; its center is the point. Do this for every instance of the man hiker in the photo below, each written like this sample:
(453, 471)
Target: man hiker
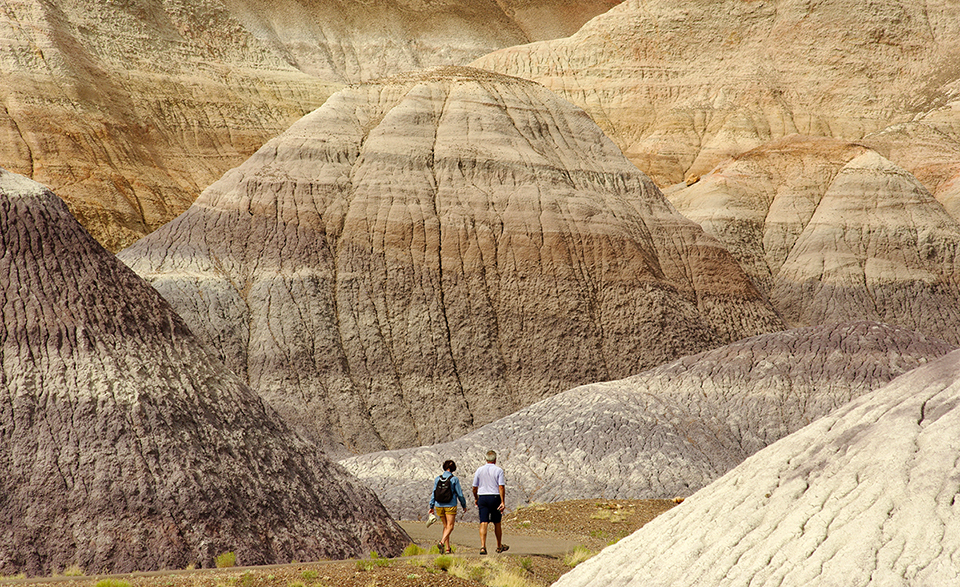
(489, 494)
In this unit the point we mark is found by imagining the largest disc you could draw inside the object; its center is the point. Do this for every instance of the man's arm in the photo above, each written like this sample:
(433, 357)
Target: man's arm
(503, 498)
(476, 497)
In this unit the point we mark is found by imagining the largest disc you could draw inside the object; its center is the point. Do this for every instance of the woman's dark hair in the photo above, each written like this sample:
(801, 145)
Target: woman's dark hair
(449, 466)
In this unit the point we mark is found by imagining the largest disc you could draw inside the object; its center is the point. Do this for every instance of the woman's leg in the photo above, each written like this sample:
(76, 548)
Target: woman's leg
(448, 521)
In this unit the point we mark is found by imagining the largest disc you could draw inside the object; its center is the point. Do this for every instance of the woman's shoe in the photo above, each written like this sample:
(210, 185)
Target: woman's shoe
(483, 551)
(502, 548)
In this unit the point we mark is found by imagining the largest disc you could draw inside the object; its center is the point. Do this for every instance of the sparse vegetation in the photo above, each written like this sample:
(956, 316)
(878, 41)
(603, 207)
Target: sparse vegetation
(373, 562)
(73, 571)
(225, 560)
(505, 578)
(309, 576)
(567, 520)
(579, 554)
(414, 550)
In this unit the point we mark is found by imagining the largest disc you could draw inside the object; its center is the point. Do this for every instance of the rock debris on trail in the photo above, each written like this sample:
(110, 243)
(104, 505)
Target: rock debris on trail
(123, 444)
(867, 495)
(423, 255)
(832, 231)
(668, 431)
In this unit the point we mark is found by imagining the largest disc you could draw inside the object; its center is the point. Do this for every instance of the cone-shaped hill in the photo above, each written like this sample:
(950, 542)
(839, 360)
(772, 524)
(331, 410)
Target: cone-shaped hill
(668, 431)
(832, 231)
(123, 444)
(454, 238)
(867, 495)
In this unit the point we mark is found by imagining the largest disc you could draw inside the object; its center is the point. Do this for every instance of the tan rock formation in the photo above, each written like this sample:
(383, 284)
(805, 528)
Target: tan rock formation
(928, 147)
(129, 110)
(867, 495)
(346, 41)
(455, 238)
(682, 86)
(832, 231)
(124, 445)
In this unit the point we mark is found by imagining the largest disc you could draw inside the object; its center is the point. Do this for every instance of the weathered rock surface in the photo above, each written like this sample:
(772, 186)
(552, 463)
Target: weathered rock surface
(928, 147)
(665, 432)
(682, 86)
(350, 42)
(454, 238)
(831, 231)
(864, 496)
(128, 110)
(123, 444)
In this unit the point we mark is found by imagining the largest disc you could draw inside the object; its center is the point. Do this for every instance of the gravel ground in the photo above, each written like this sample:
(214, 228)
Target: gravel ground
(591, 523)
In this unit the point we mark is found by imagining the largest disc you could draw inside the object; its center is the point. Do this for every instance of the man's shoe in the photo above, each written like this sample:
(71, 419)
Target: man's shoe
(483, 551)
(502, 548)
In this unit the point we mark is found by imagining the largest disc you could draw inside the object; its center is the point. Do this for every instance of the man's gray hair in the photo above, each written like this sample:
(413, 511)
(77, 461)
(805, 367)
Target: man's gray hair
(491, 456)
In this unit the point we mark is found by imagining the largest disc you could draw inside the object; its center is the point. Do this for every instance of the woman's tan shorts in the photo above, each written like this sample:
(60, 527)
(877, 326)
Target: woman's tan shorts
(446, 511)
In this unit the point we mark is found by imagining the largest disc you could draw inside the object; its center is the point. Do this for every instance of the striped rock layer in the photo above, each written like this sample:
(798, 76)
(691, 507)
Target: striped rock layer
(128, 110)
(123, 444)
(682, 86)
(832, 231)
(424, 255)
(668, 431)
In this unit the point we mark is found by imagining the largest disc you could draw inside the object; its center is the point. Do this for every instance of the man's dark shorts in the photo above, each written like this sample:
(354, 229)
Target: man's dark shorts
(488, 505)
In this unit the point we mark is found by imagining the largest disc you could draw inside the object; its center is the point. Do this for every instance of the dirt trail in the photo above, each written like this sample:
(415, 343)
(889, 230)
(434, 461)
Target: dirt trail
(466, 540)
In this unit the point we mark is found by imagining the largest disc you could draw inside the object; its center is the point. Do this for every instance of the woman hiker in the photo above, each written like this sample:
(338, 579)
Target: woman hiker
(443, 501)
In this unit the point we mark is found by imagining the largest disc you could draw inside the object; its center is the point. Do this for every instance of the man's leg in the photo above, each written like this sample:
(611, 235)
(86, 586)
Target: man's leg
(498, 532)
(483, 535)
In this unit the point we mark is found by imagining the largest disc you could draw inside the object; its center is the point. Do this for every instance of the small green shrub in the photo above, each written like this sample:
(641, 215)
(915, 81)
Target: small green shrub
(373, 562)
(226, 560)
(413, 550)
(505, 578)
(579, 554)
(295, 584)
(477, 573)
(73, 571)
(309, 575)
(443, 562)
(247, 579)
(526, 564)
(112, 583)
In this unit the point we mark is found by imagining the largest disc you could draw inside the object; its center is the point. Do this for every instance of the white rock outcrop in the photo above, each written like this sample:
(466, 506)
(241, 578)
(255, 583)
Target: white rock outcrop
(832, 231)
(867, 495)
(124, 445)
(668, 431)
(426, 254)
(682, 86)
